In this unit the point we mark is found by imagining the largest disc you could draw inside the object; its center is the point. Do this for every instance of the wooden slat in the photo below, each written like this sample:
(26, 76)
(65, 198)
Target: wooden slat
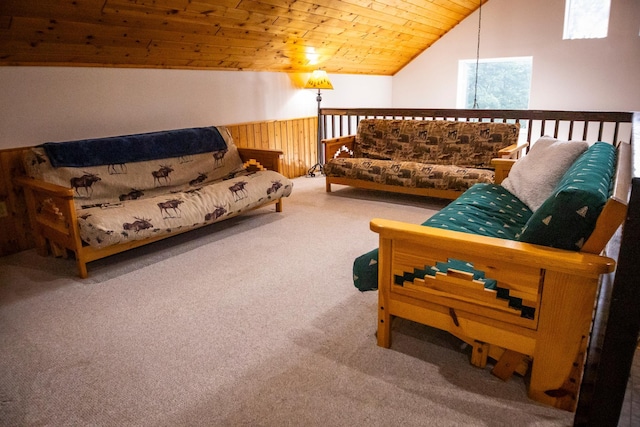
(15, 233)
(508, 364)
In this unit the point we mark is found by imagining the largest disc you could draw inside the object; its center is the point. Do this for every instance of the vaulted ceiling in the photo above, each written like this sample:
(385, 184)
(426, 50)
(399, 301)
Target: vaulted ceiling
(341, 36)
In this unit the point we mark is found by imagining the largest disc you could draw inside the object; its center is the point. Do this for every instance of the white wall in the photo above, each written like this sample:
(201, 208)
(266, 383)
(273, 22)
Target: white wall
(41, 104)
(600, 74)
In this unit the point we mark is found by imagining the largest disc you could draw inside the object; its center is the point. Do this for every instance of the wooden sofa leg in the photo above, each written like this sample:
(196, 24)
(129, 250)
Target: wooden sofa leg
(82, 267)
(384, 328)
(479, 354)
(384, 315)
(279, 206)
(558, 359)
(82, 270)
(42, 246)
(58, 251)
(328, 187)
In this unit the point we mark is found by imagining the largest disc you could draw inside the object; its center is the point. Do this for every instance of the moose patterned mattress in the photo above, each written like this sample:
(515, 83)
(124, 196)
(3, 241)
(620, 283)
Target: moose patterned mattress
(102, 226)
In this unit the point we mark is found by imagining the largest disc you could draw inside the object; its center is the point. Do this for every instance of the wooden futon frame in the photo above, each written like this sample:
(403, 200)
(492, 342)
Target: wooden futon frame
(553, 344)
(54, 218)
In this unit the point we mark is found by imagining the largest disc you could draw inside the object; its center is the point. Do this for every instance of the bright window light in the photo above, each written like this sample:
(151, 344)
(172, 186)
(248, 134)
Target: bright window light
(586, 19)
(503, 83)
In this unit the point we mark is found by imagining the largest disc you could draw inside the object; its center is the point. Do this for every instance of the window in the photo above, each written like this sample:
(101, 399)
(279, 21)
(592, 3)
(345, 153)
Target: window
(586, 19)
(503, 83)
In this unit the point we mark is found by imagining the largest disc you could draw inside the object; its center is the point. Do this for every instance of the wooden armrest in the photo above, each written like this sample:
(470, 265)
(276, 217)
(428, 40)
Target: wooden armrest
(458, 245)
(513, 151)
(53, 190)
(502, 167)
(333, 146)
(269, 159)
(52, 213)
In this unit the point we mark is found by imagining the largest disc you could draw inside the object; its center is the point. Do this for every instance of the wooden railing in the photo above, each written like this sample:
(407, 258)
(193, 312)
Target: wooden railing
(611, 126)
(615, 332)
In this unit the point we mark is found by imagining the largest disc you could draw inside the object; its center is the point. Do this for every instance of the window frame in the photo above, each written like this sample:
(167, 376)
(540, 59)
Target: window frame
(570, 15)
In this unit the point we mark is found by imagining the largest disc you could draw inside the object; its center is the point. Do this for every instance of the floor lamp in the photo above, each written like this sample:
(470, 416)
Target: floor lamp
(318, 80)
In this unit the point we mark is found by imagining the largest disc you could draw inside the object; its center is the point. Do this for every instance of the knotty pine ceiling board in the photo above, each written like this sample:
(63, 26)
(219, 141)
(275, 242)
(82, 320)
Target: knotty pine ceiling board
(376, 37)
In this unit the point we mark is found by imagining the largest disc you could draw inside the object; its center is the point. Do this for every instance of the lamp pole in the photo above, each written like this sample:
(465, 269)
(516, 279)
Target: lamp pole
(318, 165)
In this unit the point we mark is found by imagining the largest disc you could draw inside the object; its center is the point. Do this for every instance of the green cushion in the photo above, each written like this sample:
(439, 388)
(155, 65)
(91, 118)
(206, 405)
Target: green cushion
(567, 218)
(365, 271)
(486, 210)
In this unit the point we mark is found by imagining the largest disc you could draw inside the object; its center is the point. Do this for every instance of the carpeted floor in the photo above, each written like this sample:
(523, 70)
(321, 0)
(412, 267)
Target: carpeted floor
(253, 321)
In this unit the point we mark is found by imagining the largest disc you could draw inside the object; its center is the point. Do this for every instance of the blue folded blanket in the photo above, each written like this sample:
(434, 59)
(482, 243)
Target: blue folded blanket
(135, 148)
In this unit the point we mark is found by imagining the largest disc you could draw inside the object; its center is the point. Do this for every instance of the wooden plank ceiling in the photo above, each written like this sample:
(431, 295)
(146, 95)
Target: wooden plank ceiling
(341, 36)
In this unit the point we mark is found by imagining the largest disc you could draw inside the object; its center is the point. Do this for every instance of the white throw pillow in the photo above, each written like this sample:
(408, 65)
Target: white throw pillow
(533, 177)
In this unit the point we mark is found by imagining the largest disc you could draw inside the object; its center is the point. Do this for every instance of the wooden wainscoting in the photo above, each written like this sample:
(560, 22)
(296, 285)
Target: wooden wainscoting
(295, 137)
(15, 231)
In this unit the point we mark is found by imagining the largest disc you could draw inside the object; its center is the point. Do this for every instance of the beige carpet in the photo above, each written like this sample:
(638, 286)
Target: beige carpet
(250, 322)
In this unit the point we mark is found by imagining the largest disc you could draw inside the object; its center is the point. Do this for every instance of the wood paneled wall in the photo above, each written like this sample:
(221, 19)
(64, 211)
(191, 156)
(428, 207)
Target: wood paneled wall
(296, 138)
(15, 232)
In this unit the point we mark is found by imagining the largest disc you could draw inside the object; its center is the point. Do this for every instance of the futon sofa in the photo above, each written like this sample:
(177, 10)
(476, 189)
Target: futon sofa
(437, 158)
(512, 273)
(102, 196)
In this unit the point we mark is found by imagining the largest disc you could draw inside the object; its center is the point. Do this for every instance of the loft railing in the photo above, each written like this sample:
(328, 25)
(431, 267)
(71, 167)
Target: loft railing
(610, 126)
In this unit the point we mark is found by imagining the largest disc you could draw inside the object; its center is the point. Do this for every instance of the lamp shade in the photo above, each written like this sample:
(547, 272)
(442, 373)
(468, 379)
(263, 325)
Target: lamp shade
(318, 80)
